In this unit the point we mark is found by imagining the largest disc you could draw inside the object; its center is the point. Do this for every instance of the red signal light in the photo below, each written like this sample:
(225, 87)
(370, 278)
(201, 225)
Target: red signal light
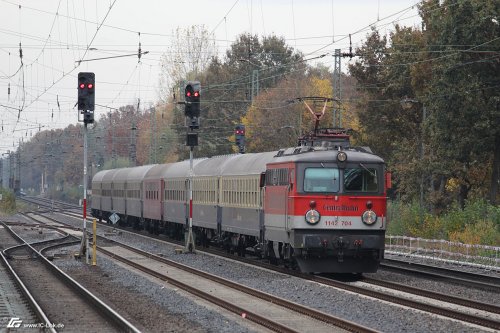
(196, 93)
(188, 93)
(90, 86)
(82, 85)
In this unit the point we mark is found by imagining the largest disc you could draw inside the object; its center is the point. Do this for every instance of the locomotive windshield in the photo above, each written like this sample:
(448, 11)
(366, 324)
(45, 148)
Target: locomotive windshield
(321, 180)
(331, 179)
(361, 179)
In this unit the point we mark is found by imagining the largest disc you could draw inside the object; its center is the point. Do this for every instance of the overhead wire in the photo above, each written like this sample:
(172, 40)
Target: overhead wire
(85, 20)
(64, 74)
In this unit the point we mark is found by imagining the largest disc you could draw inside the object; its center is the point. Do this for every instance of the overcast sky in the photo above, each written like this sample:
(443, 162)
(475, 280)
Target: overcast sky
(55, 34)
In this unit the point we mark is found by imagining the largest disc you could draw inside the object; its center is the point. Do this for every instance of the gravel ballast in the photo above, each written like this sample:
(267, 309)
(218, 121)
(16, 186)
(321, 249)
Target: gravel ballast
(375, 314)
(150, 304)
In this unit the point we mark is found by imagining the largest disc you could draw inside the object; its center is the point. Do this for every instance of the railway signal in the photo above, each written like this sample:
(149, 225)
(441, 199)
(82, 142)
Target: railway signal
(192, 99)
(192, 112)
(86, 91)
(86, 96)
(86, 105)
(239, 133)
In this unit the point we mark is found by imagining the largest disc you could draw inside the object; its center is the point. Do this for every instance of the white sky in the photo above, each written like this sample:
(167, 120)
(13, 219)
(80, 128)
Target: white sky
(49, 74)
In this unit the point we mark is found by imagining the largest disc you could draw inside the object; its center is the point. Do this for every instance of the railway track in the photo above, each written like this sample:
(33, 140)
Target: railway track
(473, 280)
(481, 320)
(267, 310)
(15, 300)
(50, 204)
(434, 295)
(65, 303)
(264, 309)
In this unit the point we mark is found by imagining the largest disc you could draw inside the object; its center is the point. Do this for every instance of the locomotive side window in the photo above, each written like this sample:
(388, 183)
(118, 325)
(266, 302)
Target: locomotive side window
(321, 180)
(277, 177)
(361, 180)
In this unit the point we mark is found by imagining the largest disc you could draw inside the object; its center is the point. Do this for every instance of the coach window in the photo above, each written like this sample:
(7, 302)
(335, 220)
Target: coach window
(321, 180)
(361, 179)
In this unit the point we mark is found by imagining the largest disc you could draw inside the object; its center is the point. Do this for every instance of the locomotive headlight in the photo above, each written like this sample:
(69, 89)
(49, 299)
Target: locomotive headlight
(313, 216)
(341, 156)
(369, 217)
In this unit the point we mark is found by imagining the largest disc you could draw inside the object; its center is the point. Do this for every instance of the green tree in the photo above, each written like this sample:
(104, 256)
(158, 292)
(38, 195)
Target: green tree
(387, 76)
(464, 96)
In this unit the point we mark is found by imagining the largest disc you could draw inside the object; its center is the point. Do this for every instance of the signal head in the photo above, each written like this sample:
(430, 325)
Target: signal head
(86, 91)
(192, 99)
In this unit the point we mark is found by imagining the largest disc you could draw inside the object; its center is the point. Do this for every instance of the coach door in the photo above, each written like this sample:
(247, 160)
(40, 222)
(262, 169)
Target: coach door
(289, 199)
(276, 199)
(186, 201)
(162, 199)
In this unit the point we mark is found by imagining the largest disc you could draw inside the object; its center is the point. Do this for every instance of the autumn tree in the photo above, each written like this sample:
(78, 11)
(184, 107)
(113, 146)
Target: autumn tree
(277, 119)
(227, 88)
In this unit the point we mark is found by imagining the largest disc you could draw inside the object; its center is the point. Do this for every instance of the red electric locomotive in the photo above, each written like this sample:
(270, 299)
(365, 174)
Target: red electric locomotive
(331, 198)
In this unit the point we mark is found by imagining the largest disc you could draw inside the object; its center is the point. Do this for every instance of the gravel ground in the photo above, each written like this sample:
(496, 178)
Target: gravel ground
(35, 234)
(375, 314)
(152, 306)
(149, 304)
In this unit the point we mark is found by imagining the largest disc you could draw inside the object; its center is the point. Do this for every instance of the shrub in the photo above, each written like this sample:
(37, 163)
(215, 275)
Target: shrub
(8, 202)
(477, 223)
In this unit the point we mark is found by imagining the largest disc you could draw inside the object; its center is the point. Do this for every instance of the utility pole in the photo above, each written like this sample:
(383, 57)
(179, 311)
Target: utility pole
(11, 171)
(337, 93)
(17, 180)
(113, 155)
(255, 83)
(152, 145)
(133, 144)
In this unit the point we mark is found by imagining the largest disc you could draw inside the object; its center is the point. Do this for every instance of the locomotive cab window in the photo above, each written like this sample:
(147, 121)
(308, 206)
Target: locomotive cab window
(321, 180)
(361, 179)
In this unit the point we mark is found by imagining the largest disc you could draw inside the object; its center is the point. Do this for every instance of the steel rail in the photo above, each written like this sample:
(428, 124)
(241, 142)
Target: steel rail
(377, 295)
(329, 319)
(107, 311)
(40, 314)
(465, 278)
(434, 295)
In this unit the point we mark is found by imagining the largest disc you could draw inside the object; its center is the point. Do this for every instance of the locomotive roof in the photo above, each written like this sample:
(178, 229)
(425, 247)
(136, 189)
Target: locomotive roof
(353, 155)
